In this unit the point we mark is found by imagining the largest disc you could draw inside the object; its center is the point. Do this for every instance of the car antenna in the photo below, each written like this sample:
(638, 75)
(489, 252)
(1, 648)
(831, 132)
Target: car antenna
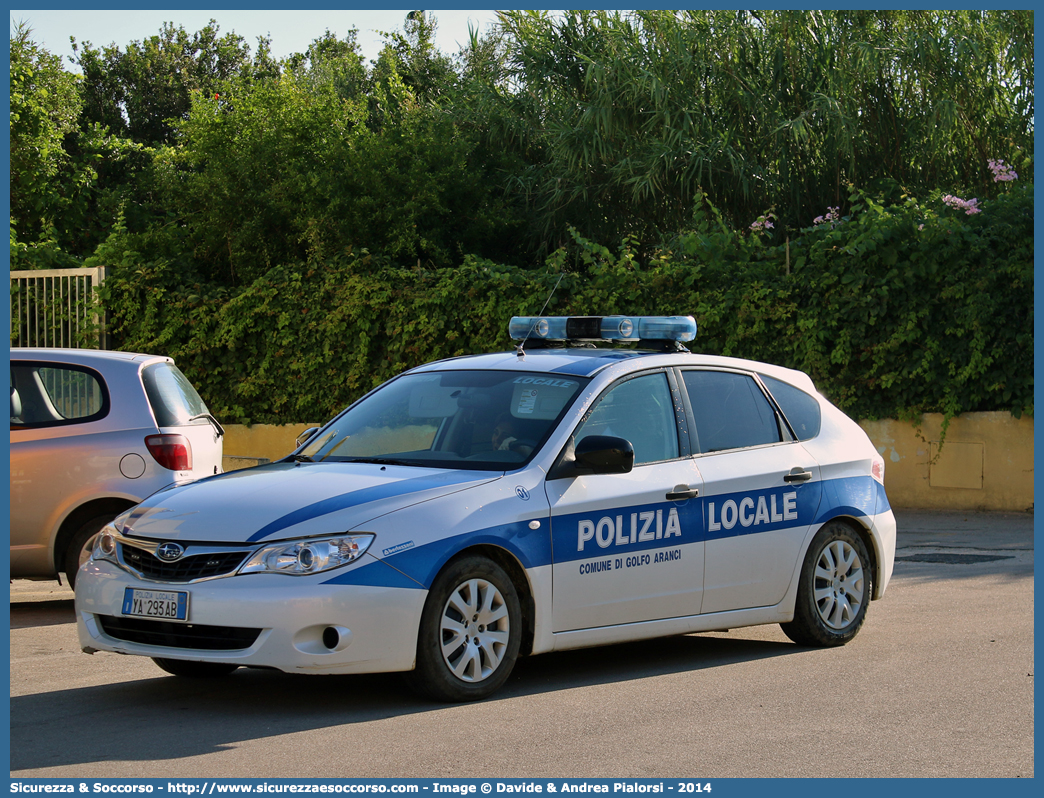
(519, 349)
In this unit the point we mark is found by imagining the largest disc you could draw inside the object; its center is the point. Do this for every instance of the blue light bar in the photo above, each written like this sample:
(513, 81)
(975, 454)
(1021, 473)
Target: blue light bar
(666, 328)
(548, 328)
(603, 328)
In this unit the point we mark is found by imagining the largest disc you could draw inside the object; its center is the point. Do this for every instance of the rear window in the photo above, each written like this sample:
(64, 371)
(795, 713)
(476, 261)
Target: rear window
(173, 399)
(801, 410)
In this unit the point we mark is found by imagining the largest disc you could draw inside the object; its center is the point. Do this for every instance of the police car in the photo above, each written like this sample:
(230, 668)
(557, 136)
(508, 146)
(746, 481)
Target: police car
(482, 508)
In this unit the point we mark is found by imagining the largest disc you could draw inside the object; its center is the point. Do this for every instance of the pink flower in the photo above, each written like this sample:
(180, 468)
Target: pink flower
(763, 223)
(968, 206)
(832, 217)
(1002, 173)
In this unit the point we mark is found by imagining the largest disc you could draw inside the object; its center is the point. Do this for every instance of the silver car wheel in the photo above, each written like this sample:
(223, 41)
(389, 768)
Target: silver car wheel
(475, 630)
(840, 587)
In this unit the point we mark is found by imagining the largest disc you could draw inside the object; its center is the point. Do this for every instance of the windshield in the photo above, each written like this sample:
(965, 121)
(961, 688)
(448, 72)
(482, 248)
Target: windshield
(485, 420)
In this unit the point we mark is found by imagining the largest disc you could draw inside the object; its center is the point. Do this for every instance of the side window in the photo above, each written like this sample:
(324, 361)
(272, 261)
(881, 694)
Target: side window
(46, 395)
(730, 411)
(802, 411)
(639, 410)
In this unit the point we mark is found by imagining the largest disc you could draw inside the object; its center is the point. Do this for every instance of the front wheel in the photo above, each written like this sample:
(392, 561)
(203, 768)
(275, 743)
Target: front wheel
(834, 589)
(194, 670)
(470, 632)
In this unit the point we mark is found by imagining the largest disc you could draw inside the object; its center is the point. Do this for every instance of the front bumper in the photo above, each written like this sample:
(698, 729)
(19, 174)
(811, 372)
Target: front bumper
(375, 628)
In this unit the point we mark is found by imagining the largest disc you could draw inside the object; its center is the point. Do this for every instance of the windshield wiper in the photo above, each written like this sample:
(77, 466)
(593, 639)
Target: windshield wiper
(377, 461)
(302, 458)
(212, 420)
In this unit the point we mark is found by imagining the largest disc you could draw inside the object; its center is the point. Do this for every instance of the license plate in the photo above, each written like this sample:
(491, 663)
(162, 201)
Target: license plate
(171, 605)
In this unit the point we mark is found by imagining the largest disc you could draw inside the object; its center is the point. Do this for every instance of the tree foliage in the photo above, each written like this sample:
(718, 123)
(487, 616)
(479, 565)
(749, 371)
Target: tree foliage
(428, 73)
(46, 183)
(893, 311)
(141, 91)
(311, 166)
(624, 118)
(295, 232)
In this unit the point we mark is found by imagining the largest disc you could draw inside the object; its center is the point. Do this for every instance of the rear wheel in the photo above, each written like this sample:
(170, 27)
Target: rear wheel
(470, 632)
(834, 590)
(194, 670)
(79, 549)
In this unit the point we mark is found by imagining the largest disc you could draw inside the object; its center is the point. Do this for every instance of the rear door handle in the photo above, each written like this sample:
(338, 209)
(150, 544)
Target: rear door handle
(682, 492)
(797, 474)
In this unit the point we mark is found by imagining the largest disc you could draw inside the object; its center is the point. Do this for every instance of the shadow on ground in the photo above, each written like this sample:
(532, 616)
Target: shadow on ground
(203, 716)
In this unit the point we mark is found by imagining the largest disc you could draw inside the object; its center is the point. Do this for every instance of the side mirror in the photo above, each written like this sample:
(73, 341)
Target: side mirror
(304, 436)
(595, 454)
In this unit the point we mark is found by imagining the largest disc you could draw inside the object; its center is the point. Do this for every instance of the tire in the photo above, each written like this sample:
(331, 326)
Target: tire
(834, 589)
(79, 548)
(194, 670)
(470, 632)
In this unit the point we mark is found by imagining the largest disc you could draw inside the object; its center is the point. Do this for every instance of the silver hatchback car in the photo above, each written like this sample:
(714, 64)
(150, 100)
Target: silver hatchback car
(92, 434)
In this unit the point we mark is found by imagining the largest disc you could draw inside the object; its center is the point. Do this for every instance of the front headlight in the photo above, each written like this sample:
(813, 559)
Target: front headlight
(105, 544)
(308, 556)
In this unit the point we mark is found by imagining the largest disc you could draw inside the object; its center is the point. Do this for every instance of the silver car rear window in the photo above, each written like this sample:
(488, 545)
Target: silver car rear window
(173, 399)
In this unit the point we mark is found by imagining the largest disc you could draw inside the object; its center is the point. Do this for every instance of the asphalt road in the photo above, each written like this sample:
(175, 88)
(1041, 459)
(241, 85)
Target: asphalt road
(939, 683)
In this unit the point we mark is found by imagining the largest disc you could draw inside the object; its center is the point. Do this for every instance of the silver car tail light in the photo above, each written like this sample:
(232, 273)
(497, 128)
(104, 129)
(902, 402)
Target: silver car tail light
(173, 452)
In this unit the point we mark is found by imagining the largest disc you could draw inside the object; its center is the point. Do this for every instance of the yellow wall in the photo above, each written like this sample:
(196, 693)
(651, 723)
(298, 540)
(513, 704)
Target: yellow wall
(247, 446)
(986, 461)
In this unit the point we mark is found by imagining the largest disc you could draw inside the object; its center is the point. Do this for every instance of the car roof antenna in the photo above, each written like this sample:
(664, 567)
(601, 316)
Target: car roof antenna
(519, 348)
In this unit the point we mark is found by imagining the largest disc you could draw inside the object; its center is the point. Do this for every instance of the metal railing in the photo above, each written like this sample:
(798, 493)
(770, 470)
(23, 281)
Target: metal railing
(57, 308)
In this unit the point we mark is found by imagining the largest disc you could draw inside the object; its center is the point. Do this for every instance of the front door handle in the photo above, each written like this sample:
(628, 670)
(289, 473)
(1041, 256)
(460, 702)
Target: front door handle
(797, 474)
(681, 493)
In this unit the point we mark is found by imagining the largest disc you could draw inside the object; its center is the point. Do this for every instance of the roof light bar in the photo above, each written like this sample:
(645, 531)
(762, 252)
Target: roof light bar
(603, 328)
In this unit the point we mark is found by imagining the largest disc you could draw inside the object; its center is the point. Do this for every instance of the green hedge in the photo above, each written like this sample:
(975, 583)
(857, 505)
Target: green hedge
(894, 311)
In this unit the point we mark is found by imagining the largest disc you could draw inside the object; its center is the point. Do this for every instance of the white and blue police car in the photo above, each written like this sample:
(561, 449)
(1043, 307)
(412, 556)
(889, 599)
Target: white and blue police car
(474, 510)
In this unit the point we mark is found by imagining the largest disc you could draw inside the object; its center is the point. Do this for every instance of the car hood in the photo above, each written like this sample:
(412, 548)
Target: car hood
(287, 500)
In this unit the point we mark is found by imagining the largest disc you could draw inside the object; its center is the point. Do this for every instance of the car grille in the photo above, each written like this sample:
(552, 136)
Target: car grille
(178, 635)
(197, 566)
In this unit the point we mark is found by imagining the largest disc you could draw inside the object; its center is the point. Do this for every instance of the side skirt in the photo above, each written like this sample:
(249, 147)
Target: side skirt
(732, 619)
